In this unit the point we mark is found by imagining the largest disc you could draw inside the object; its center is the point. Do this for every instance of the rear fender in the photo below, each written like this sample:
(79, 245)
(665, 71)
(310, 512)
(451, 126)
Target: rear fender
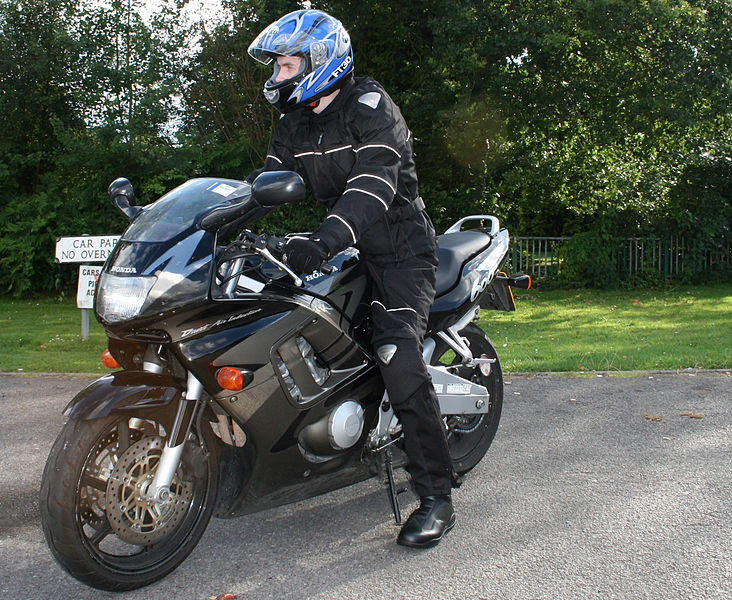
(130, 393)
(498, 295)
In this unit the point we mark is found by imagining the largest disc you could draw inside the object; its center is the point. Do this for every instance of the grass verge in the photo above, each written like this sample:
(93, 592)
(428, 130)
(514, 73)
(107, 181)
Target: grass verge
(44, 335)
(589, 330)
(558, 330)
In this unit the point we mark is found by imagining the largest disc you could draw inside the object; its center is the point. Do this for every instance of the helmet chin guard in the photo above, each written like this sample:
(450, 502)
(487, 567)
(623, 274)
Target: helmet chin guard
(323, 44)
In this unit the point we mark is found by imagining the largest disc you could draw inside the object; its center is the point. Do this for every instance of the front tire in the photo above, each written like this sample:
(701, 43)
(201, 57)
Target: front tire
(470, 436)
(95, 517)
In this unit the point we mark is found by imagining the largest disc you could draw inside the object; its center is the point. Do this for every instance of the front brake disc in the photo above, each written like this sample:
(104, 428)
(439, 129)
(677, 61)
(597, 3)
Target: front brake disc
(133, 517)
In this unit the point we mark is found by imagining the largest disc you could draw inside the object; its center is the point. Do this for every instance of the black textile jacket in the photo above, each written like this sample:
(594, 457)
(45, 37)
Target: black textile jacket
(357, 158)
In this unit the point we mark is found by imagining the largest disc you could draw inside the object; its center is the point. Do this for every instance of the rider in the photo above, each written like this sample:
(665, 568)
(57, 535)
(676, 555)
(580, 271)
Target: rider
(349, 141)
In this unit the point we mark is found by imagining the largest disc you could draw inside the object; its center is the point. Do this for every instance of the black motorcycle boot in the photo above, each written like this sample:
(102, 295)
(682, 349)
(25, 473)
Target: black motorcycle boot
(426, 525)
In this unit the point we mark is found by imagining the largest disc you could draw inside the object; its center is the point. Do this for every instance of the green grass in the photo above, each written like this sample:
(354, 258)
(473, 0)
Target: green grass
(44, 335)
(588, 330)
(559, 330)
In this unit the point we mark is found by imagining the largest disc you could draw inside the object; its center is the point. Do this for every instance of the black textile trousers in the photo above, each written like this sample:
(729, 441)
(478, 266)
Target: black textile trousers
(401, 299)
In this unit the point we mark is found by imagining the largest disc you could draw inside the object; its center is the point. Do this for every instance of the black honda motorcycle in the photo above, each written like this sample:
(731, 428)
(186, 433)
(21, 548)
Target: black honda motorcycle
(243, 386)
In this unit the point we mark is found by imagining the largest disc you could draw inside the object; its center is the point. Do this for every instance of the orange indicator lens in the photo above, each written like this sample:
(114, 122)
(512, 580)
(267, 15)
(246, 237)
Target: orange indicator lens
(109, 361)
(230, 378)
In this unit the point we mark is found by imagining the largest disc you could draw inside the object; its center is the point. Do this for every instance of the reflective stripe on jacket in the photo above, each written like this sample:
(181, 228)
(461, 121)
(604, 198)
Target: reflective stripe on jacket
(357, 159)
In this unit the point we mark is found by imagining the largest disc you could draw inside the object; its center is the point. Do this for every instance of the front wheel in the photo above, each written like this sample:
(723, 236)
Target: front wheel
(470, 436)
(96, 517)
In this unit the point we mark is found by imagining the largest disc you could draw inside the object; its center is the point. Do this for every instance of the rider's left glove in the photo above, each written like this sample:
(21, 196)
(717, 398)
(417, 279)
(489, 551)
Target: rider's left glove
(304, 255)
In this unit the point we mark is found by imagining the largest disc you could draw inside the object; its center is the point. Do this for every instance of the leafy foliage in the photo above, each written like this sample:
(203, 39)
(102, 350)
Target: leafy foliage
(86, 91)
(605, 118)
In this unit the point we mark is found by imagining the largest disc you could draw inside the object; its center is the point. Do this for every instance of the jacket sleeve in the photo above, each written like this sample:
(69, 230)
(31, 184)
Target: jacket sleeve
(380, 138)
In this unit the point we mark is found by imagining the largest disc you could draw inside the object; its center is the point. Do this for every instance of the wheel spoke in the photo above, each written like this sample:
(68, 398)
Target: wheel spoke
(95, 482)
(100, 534)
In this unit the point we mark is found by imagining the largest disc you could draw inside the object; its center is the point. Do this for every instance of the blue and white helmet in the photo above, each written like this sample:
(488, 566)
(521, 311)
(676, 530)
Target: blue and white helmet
(323, 44)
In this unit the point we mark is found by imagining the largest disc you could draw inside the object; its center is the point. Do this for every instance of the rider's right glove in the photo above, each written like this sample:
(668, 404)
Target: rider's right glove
(304, 255)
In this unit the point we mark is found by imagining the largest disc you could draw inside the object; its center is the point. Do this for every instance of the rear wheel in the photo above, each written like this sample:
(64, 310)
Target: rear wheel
(94, 510)
(470, 436)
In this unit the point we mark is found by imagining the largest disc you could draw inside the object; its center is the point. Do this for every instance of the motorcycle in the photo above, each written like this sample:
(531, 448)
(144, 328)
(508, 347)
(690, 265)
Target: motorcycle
(244, 386)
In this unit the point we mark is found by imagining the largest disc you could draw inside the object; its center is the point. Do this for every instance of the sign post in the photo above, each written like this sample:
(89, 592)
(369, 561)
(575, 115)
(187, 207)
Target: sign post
(85, 249)
(88, 276)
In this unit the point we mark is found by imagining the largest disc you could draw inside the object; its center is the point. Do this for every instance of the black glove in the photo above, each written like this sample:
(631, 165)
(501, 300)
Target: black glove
(304, 255)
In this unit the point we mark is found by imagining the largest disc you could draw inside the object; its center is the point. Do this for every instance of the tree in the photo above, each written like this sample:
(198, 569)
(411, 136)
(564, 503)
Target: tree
(86, 92)
(606, 104)
(607, 117)
(38, 104)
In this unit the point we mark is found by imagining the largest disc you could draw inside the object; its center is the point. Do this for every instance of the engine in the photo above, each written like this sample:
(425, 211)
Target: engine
(337, 431)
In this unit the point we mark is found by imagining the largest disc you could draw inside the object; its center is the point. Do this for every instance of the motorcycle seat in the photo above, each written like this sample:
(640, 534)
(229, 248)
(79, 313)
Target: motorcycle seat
(453, 250)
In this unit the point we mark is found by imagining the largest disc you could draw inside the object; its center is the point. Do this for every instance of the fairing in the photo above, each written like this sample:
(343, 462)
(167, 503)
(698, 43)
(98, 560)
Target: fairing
(204, 324)
(165, 255)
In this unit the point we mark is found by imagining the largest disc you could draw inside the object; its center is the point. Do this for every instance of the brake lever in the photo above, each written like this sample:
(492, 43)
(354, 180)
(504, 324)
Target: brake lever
(264, 245)
(280, 265)
(276, 244)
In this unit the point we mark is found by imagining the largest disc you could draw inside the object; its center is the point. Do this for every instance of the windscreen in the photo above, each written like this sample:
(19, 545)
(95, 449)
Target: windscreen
(180, 208)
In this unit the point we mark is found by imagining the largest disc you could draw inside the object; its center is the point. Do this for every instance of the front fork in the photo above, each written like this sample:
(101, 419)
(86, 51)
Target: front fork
(159, 490)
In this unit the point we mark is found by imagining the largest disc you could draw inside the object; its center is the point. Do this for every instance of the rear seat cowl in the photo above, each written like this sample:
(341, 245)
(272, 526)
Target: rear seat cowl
(454, 249)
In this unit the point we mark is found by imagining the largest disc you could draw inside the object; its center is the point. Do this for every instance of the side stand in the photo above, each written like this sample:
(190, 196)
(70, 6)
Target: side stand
(393, 491)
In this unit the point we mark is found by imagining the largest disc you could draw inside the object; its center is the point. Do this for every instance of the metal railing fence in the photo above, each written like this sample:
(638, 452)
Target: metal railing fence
(672, 258)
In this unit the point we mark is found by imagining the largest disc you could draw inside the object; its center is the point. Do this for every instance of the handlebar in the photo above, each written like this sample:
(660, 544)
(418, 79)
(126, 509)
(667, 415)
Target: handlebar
(272, 248)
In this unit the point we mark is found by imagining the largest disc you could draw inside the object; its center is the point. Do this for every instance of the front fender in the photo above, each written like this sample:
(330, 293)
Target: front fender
(127, 392)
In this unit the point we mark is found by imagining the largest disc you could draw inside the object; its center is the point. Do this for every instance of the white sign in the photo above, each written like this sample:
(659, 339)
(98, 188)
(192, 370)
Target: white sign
(87, 248)
(88, 276)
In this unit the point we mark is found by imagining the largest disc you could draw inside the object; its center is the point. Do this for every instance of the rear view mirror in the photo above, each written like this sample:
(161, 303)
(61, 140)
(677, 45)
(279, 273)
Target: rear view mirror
(277, 188)
(122, 195)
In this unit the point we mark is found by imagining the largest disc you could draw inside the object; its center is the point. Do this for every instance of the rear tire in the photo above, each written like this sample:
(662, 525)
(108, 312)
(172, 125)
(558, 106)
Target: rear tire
(470, 436)
(82, 483)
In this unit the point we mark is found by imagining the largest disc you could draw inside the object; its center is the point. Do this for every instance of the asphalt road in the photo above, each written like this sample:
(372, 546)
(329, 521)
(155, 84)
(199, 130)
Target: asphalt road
(584, 494)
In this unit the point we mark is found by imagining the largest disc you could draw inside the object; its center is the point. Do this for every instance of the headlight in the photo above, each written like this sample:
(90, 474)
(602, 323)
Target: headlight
(121, 298)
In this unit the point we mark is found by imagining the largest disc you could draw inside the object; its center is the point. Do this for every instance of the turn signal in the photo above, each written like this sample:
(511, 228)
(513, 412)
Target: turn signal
(520, 281)
(109, 361)
(230, 378)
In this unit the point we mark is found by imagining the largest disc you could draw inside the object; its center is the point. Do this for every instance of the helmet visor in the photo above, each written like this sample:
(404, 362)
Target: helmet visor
(290, 40)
